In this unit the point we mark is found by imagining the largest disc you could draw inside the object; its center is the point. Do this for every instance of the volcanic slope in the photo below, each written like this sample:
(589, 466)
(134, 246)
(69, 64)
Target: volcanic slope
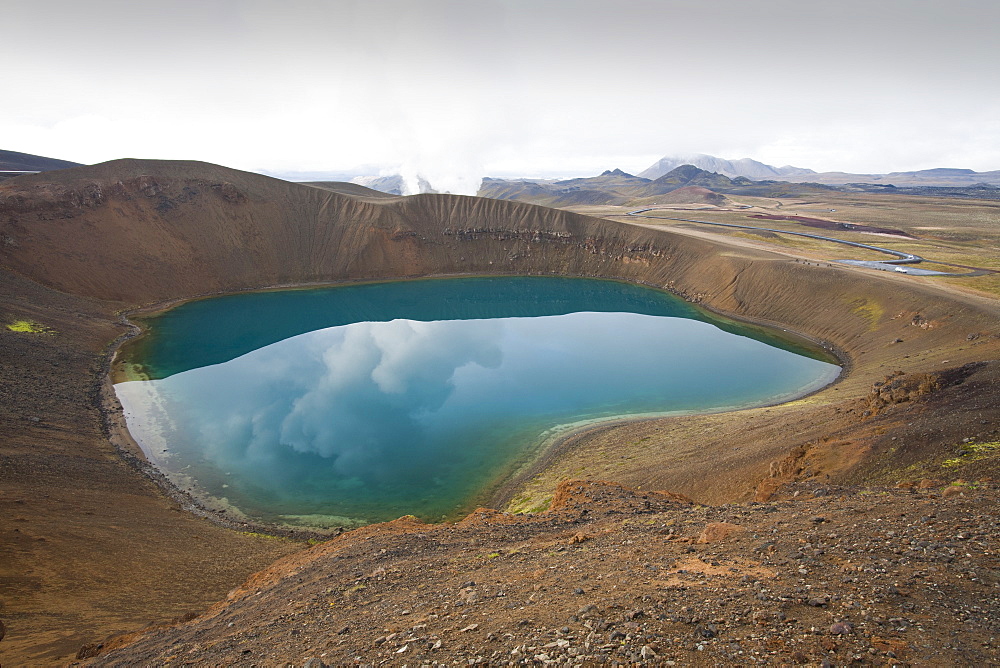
(350, 189)
(92, 546)
(612, 575)
(12, 163)
(138, 231)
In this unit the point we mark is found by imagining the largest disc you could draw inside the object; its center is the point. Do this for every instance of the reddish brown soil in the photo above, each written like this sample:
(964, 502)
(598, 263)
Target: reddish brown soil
(90, 546)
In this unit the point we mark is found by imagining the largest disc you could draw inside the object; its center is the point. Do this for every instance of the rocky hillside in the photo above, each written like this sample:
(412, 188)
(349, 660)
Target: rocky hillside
(612, 574)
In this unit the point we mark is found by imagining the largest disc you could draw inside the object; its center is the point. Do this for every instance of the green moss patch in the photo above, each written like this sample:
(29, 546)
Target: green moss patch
(29, 327)
(869, 310)
(972, 452)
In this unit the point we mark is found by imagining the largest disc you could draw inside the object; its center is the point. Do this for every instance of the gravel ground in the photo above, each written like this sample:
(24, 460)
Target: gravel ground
(830, 576)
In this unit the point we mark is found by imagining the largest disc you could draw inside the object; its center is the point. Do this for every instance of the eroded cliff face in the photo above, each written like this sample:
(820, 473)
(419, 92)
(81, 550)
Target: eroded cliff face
(177, 230)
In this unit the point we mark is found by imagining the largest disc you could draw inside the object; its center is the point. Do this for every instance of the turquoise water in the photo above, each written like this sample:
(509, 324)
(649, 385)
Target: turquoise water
(363, 403)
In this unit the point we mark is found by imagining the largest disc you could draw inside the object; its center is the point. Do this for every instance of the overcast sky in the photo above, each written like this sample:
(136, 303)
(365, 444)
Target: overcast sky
(457, 90)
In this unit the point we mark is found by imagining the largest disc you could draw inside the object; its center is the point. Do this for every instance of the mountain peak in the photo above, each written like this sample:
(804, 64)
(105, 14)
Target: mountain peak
(747, 167)
(615, 172)
(687, 171)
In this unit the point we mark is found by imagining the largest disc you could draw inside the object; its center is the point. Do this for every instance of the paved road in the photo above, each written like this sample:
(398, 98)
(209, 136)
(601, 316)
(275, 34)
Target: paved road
(895, 266)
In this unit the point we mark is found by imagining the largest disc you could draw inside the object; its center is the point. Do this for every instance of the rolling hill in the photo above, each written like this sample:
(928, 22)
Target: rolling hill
(12, 161)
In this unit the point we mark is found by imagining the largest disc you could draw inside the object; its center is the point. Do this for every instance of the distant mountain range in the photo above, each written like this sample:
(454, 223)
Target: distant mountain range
(13, 163)
(616, 185)
(746, 167)
(752, 169)
(689, 184)
(685, 184)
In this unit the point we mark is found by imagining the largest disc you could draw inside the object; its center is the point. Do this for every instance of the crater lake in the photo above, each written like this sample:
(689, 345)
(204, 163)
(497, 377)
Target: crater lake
(346, 405)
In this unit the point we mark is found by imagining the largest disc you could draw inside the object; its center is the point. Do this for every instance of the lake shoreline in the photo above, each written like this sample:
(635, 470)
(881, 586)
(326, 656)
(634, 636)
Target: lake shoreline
(552, 449)
(497, 494)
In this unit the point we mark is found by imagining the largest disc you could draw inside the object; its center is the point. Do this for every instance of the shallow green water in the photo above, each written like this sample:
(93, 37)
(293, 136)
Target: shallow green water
(367, 402)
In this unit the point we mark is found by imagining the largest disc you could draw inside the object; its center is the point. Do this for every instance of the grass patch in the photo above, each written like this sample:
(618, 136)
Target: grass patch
(989, 284)
(529, 504)
(29, 327)
(965, 484)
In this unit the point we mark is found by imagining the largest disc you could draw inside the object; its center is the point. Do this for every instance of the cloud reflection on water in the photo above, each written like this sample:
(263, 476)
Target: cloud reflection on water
(399, 412)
